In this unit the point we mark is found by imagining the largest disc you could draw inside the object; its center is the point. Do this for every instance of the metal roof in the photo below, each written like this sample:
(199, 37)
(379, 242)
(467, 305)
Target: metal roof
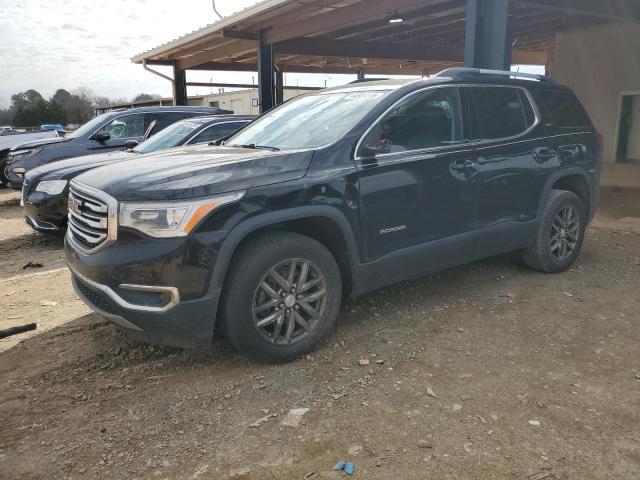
(343, 36)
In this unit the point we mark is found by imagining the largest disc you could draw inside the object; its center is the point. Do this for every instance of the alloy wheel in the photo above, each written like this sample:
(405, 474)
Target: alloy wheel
(565, 233)
(289, 301)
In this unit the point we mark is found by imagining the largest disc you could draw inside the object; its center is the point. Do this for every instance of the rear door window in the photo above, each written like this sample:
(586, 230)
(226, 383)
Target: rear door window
(564, 107)
(501, 112)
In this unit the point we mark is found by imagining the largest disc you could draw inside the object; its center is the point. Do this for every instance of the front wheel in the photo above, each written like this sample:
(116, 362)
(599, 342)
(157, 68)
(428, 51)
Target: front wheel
(281, 297)
(560, 234)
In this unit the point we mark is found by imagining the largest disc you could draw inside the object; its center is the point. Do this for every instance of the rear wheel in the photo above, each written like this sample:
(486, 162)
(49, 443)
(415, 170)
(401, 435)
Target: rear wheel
(281, 297)
(560, 235)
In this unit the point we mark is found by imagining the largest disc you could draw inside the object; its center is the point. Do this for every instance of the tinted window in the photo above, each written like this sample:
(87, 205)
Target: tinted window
(89, 127)
(171, 136)
(425, 120)
(126, 126)
(215, 132)
(163, 120)
(501, 112)
(565, 108)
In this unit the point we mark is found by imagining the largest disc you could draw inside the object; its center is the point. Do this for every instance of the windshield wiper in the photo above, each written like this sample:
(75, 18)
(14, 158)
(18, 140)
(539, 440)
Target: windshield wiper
(257, 147)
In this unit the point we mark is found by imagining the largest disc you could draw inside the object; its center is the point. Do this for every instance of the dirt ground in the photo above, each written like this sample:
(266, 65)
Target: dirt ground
(487, 371)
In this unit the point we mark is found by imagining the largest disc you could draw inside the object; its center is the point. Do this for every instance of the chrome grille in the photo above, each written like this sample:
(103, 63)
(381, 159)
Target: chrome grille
(90, 223)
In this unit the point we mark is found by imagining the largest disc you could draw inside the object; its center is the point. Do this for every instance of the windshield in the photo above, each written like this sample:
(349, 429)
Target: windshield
(311, 121)
(90, 126)
(171, 136)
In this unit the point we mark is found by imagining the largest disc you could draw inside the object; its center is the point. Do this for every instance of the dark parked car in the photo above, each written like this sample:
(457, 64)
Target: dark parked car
(334, 193)
(107, 132)
(45, 189)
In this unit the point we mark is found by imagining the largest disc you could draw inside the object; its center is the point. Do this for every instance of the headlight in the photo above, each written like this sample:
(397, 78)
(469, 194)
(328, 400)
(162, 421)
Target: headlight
(52, 187)
(171, 219)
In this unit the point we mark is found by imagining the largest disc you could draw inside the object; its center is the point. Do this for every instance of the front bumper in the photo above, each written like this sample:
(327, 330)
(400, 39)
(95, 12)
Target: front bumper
(44, 212)
(15, 179)
(150, 287)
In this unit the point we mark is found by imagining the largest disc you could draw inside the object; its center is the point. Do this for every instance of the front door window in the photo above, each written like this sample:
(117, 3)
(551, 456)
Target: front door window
(127, 126)
(425, 120)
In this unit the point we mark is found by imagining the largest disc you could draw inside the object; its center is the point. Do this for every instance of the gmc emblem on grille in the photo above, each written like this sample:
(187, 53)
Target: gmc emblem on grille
(74, 204)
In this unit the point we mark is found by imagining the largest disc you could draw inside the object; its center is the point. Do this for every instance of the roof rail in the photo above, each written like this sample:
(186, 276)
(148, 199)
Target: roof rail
(476, 72)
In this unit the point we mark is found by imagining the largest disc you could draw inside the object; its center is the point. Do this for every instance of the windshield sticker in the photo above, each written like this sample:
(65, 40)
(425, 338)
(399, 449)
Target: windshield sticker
(365, 96)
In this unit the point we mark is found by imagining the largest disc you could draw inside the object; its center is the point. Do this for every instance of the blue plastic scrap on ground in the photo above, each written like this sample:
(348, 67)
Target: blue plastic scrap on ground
(345, 466)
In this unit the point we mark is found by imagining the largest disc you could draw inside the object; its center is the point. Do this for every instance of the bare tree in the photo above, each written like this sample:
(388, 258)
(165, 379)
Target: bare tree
(80, 109)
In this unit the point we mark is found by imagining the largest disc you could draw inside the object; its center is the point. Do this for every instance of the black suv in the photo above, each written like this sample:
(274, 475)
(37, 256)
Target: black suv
(334, 193)
(107, 132)
(44, 190)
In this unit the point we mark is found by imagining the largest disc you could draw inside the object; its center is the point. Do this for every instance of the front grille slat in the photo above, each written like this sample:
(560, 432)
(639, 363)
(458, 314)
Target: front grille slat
(92, 204)
(88, 220)
(86, 235)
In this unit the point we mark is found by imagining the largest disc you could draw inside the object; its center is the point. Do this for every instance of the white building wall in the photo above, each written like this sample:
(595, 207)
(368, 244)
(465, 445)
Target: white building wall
(241, 101)
(600, 64)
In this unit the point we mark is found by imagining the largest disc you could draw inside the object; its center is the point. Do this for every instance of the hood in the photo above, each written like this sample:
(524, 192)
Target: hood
(39, 143)
(69, 168)
(191, 172)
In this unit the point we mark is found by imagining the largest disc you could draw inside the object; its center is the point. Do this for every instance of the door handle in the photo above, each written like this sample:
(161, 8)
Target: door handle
(464, 166)
(541, 155)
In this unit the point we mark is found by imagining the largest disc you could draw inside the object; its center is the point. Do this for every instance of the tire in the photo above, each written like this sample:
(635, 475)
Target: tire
(251, 312)
(3, 164)
(550, 256)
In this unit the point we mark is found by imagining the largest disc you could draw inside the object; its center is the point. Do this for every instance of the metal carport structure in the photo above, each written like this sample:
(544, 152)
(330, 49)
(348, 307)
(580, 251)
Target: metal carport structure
(413, 37)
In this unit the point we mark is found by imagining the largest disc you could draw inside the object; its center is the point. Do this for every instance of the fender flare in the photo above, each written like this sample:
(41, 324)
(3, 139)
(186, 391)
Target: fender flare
(560, 175)
(246, 227)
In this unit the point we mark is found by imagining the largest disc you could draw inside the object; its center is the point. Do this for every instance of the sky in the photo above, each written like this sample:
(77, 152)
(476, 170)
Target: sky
(47, 45)
(68, 44)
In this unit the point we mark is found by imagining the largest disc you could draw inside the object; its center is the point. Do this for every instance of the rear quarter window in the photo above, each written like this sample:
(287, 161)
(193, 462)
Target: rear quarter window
(501, 112)
(565, 109)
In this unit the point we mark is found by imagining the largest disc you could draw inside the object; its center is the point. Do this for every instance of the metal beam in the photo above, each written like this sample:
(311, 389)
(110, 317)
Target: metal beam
(487, 40)
(346, 48)
(266, 75)
(179, 86)
(239, 34)
(253, 67)
(398, 68)
(608, 10)
(245, 85)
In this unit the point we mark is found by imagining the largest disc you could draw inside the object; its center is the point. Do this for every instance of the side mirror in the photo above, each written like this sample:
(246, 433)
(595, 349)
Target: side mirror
(101, 136)
(129, 144)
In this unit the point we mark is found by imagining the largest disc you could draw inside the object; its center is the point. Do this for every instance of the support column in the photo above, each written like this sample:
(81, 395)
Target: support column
(266, 75)
(360, 74)
(179, 86)
(488, 36)
(279, 86)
